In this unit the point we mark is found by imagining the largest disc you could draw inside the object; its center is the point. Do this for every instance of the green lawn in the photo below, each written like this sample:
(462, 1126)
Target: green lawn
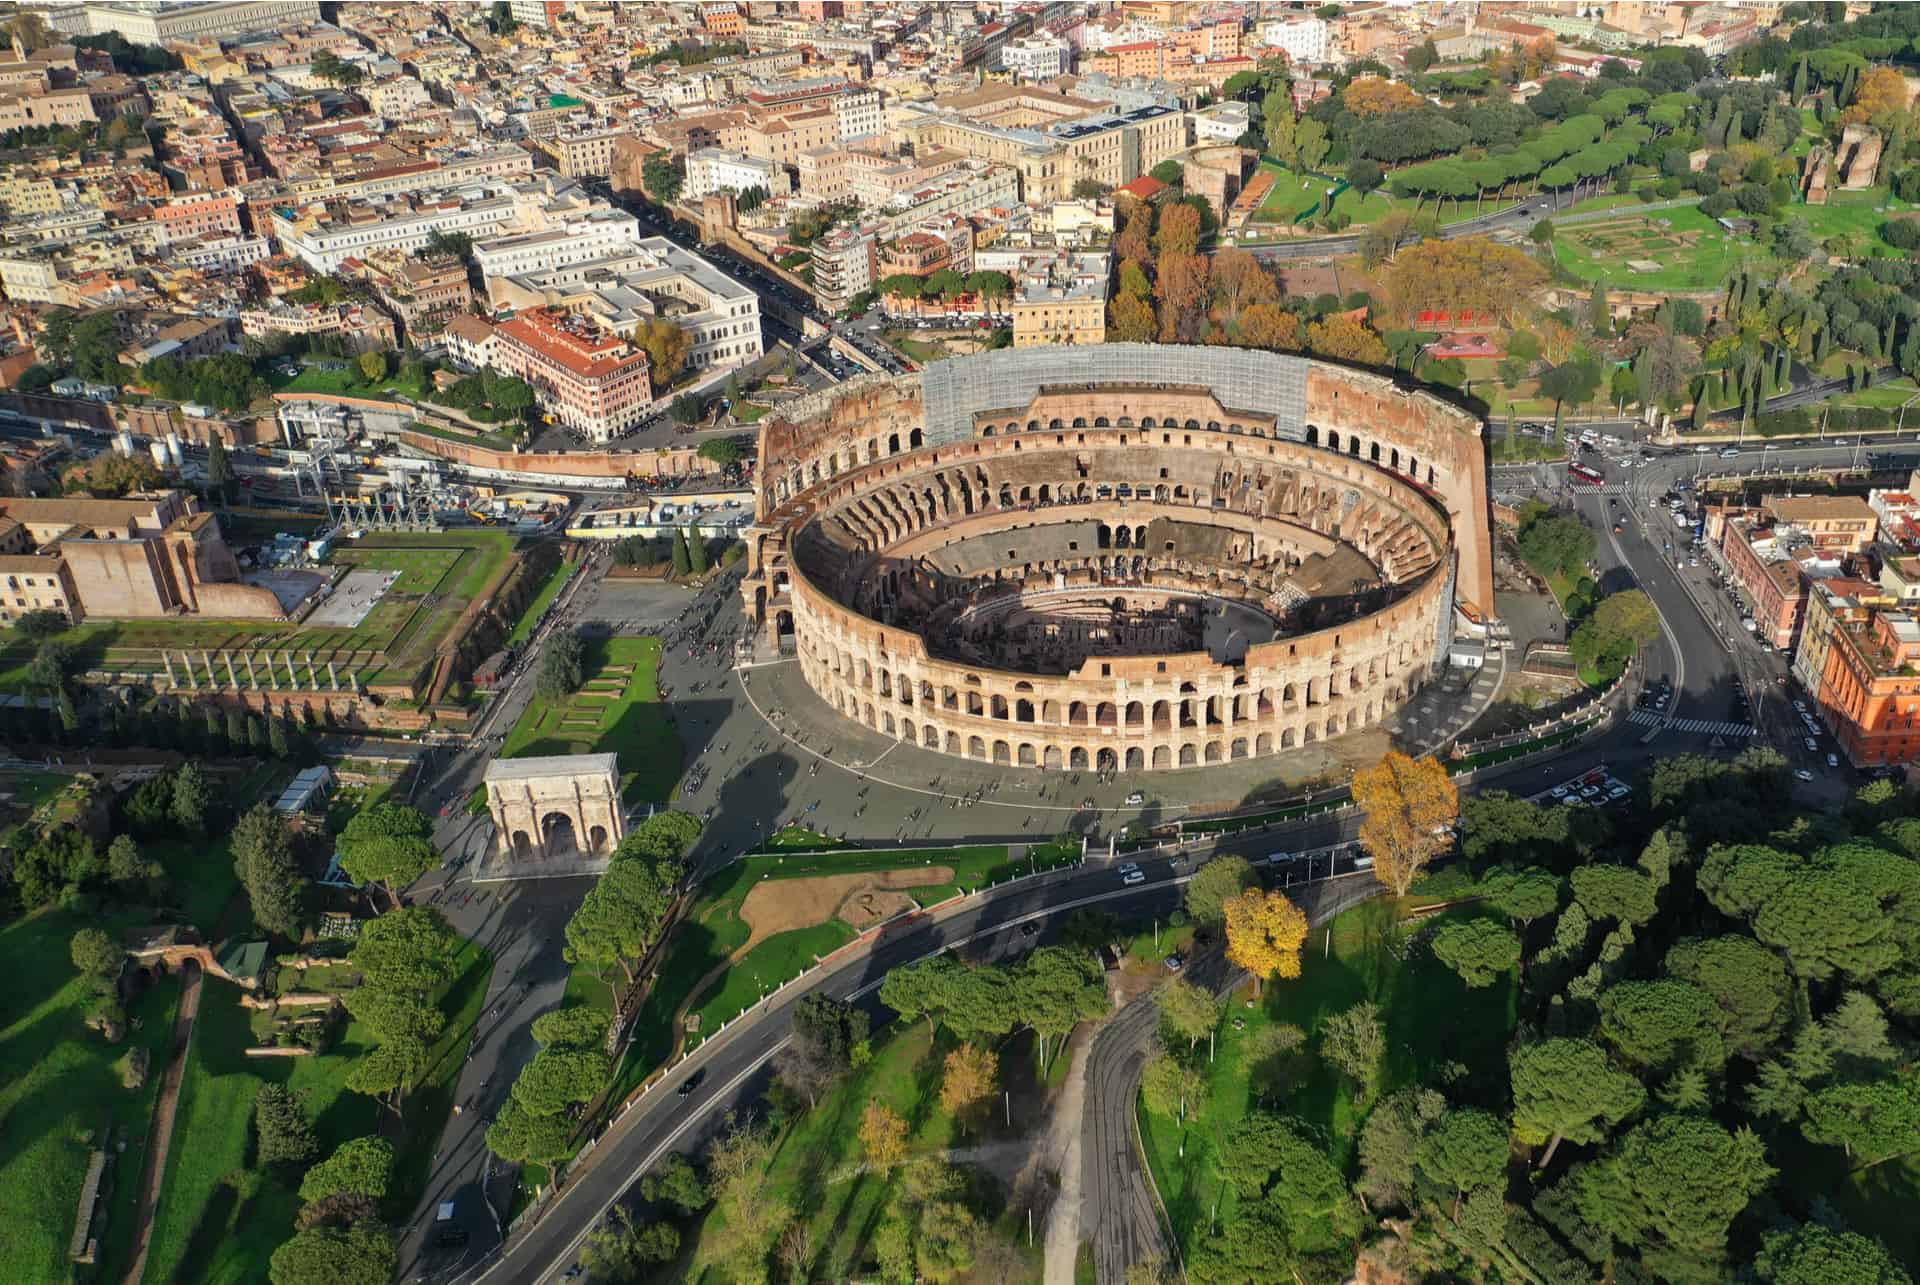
(549, 590)
(346, 381)
(220, 1218)
(1294, 193)
(1693, 251)
(712, 930)
(1361, 967)
(61, 1095)
(612, 711)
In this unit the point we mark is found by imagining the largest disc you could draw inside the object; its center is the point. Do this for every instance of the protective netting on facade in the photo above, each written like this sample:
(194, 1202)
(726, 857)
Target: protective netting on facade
(1241, 378)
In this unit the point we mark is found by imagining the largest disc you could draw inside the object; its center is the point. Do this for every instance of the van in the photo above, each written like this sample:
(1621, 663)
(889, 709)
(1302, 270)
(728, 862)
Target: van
(1729, 452)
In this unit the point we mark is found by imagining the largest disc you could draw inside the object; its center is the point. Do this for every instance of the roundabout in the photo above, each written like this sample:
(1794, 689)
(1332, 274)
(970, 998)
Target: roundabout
(1132, 558)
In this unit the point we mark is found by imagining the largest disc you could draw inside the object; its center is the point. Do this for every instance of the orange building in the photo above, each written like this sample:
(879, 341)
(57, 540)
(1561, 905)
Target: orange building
(723, 20)
(593, 381)
(1870, 689)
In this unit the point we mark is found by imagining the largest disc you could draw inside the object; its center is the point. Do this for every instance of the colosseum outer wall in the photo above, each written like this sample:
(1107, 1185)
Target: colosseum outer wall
(1121, 711)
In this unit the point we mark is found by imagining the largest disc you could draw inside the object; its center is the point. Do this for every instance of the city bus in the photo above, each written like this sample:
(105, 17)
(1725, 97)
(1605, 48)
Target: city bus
(1582, 475)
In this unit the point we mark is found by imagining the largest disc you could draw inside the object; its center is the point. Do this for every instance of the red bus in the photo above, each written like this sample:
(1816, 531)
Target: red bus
(1581, 473)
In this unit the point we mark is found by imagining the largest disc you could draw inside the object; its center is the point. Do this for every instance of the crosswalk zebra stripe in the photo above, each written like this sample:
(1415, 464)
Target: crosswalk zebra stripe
(1701, 726)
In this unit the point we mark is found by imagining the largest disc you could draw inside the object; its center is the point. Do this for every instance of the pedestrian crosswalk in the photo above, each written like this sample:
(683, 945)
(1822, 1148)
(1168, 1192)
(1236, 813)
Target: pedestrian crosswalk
(1700, 726)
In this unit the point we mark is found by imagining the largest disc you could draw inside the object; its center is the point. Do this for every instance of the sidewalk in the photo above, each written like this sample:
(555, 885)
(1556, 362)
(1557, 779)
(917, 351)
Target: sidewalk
(161, 1136)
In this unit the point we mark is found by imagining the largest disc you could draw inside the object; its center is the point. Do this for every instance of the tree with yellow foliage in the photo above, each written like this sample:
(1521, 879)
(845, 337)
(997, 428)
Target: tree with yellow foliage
(1377, 96)
(1264, 934)
(667, 345)
(1409, 805)
(1345, 338)
(1130, 320)
(1472, 274)
(1881, 90)
(968, 1082)
(883, 1136)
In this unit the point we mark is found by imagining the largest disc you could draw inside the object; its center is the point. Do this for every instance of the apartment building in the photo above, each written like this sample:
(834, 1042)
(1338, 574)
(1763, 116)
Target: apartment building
(1304, 40)
(594, 382)
(1869, 690)
(1060, 299)
(590, 233)
(1038, 57)
(844, 265)
(652, 279)
(857, 113)
(1051, 140)
(326, 234)
(211, 215)
(713, 169)
(582, 153)
(783, 138)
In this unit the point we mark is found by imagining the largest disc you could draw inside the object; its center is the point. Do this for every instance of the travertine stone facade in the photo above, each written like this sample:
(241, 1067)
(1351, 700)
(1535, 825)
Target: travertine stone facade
(559, 806)
(880, 556)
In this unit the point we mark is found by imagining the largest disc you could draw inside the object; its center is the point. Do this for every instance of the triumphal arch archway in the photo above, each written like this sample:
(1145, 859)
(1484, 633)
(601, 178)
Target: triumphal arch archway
(566, 805)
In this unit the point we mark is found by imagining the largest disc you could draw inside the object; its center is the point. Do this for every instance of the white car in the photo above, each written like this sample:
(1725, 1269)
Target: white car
(1803, 775)
(1134, 876)
(1135, 799)
(1812, 744)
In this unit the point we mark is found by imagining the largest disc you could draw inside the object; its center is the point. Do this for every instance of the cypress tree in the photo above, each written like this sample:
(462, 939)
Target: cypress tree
(256, 734)
(236, 728)
(277, 737)
(696, 551)
(1799, 81)
(682, 561)
(216, 730)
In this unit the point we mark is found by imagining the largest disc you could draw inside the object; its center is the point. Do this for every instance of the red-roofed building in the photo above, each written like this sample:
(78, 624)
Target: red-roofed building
(591, 380)
(1464, 320)
(1144, 188)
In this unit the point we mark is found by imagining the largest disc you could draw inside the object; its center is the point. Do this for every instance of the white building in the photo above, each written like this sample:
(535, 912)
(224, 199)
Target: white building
(1303, 40)
(1220, 123)
(221, 254)
(397, 97)
(843, 265)
(651, 278)
(714, 169)
(857, 113)
(163, 23)
(588, 234)
(1040, 57)
(530, 13)
(325, 235)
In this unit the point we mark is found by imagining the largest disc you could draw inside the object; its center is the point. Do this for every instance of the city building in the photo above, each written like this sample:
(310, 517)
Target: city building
(1060, 299)
(582, 153)
(186, 20)
(844, 262)
(1869, 690)
(713, 169)
(1304, 40)
(592, 381)
(652, 279)
(1038, 57)
(148, 555)
(589, 232)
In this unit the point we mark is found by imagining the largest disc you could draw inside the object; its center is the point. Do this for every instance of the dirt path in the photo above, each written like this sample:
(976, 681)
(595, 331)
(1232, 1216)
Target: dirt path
(156, 1167)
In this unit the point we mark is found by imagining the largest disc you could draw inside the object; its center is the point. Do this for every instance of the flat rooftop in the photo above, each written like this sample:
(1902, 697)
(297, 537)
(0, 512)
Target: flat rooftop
(532, 769)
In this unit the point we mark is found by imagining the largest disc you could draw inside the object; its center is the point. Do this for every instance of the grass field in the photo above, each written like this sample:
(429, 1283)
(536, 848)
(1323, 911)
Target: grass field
(549, 590)
(1694, 252)
(1293, 193)
(1362, 966)
(61, 1095)
(220, 1217)
(347, 380)
(618, 709)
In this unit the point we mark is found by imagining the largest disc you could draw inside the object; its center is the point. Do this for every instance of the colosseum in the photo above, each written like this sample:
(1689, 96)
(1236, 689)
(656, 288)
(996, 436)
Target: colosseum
(1130, 557)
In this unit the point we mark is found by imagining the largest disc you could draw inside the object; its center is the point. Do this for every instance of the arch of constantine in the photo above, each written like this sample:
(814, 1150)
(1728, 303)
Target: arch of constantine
(565, 805)
(1128, 557)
